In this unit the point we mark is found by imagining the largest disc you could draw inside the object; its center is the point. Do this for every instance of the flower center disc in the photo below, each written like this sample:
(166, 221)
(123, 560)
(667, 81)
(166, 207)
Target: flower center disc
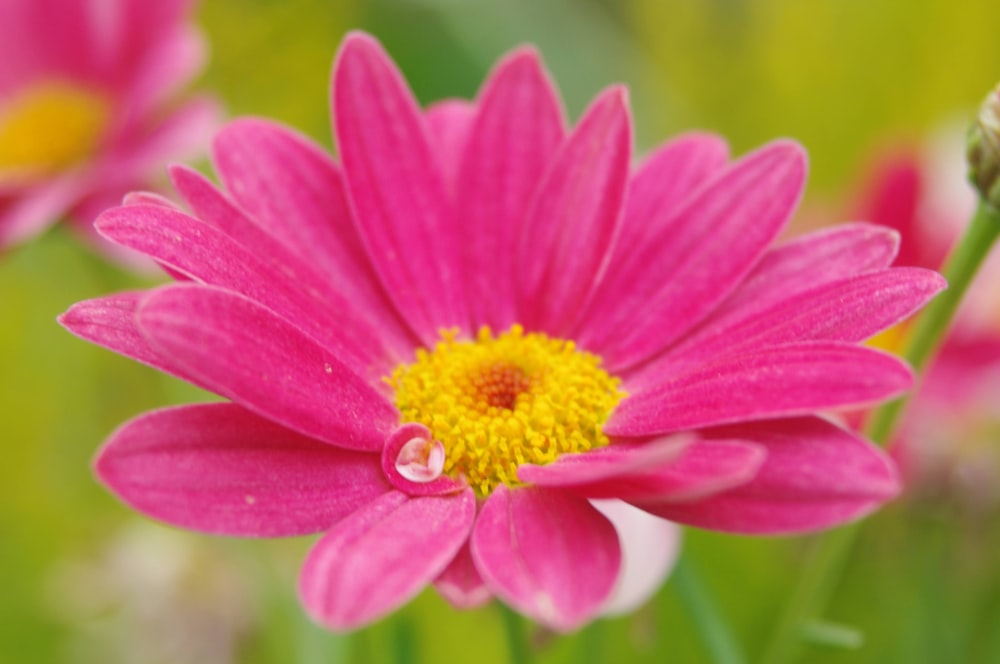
(498, 402)
(49, 126)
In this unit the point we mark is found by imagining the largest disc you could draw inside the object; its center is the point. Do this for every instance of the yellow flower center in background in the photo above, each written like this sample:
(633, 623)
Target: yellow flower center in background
(498, 402)
(51, 125)
(891, 339)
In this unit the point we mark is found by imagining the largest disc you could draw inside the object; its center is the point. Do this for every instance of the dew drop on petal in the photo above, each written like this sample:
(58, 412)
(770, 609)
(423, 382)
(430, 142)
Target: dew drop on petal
(421, 460)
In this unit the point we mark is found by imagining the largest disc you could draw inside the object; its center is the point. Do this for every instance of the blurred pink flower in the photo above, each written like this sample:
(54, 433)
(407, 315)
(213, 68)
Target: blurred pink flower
(951, 428)
(86, 111)
(654, 350)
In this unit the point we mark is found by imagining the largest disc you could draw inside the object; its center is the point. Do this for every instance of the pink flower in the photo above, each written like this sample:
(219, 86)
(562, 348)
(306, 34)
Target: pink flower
(440, 350)
(85, 105)
(949, 433)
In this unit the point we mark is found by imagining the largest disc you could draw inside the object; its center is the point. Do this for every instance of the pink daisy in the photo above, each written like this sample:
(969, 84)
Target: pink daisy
(85, 105)
(445, 348)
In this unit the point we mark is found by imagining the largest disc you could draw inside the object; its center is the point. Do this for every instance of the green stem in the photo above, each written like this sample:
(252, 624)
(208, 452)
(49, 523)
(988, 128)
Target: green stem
(715, 634)
(403, 642)
(517, 643)
(591, 644)
(831, 552)
(961, 267)
(824, 564)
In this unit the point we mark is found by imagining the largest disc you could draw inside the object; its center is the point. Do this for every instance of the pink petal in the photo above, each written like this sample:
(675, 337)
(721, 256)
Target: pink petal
(183, 134)
(704, 468)
(449, 123)
(650, 547)
(603, 463)
(221, 469)
(110, 322)
(18, 60)
(461, 584)
(794, 379)
(816, 475)
(663, 182)
(433, 484)
(381, 556)
(123, 33)
(295, 190)
(148, 198)
(816, 258)
(808, 262)
(206, 202)
(964, 371)
(205, 253)
(517, 131)
(82, 225)
(45, 36)
(570, 229)
(211, 206)
(704, 252)
(29, 212)
(893, 192)
(395, 188)
(851, 309)
(246, 353)
(166, 67)
(549, 555)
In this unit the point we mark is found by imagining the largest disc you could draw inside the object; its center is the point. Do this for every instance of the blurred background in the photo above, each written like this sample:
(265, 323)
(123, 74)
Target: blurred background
(82, 579)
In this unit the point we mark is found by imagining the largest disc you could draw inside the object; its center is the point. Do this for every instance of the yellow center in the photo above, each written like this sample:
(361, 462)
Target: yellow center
(498, 402)
(49, 126)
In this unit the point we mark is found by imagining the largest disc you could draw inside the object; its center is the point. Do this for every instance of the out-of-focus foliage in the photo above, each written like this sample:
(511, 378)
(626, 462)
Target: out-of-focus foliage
(58, 399)
(835, 75)
(271, 58)
(586, 43)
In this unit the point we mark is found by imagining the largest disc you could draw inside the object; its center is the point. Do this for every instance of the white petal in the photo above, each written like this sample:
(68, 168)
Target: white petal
(650, 546)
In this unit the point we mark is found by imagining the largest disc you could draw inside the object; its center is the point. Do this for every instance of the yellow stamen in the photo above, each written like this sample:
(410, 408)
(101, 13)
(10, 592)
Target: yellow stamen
(498, 402)
(51, 125)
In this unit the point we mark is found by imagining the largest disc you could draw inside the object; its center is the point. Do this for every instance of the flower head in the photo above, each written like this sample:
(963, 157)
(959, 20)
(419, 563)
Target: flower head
(984, 149)
(85, 105)
(480, 351)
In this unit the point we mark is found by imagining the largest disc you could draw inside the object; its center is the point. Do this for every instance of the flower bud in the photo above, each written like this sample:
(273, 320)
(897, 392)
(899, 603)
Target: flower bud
(984, 149)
